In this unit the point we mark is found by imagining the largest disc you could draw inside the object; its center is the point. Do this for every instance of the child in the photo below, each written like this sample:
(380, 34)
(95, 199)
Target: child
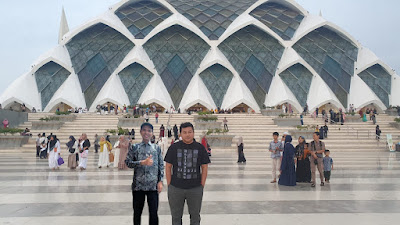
(378, 133)
(328, 166)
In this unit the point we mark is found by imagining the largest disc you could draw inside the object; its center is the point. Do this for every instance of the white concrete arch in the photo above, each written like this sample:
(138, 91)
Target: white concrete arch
(279, 93)
(366, 59)
(288, 3)
(137, 55)
(239, 93)
(215, 56)
(112, 91)
(156, 92)
(197, 92)
(361, 94)
(58, 55)
(24, 91)
(313, 22)
(245, 20)
(70, 92)
(321, 94)
(175, 19)
(108, 18)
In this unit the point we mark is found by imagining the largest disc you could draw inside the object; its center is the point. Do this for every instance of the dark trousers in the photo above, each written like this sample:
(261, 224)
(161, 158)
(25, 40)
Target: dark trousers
(327, 175)
(138, 204)
(226, 127)
(176, 199)
(37, 151)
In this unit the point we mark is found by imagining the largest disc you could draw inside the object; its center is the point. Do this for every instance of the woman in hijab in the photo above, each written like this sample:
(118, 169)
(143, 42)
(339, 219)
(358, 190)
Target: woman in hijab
(162, 130)
(241, 158)
(53, 152)
(72, 146)
(84, 146)
(105, 148)
(123, 146)
(288, 173)
(303, 171)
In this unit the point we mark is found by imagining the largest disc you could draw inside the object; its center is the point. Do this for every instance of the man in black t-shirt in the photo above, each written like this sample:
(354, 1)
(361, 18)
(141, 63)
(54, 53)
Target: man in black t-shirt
(186, 172)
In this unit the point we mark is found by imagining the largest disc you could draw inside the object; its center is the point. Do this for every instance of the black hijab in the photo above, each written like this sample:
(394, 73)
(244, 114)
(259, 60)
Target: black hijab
(52, 143)
(71, 143)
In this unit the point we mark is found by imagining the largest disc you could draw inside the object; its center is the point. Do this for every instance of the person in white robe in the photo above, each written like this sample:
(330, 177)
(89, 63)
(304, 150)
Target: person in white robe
(105, 148)
(83, 152)
(116, 153)
(53, 152)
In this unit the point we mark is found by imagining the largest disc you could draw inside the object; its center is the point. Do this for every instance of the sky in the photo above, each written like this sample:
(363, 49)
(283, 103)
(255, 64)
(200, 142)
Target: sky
(30, 28)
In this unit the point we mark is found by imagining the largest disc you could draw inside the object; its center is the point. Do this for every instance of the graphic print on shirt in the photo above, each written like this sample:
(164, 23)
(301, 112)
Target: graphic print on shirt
(187, 163)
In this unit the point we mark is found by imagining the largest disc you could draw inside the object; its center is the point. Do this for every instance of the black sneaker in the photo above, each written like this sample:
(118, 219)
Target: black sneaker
(322, 184)
(312, 185)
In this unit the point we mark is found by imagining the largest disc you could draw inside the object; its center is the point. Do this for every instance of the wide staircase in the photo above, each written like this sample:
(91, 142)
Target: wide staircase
(255, 129)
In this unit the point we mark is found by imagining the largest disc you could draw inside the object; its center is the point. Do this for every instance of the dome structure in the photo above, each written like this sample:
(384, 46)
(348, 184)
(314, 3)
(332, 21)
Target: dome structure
(180, 53)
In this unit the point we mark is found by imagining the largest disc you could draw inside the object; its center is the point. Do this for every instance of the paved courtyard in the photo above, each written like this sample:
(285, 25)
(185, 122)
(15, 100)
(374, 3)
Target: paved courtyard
(365, 189)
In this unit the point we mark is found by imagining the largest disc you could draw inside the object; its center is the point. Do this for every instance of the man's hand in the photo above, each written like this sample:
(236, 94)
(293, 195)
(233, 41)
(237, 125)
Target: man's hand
(159, 187)
(148, 161)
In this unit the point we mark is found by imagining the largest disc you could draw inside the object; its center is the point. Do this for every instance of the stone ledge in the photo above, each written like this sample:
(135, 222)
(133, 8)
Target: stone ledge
(130, 122)
(11, 141)
(307, 134)
(271, 112)
(287, 122)
(207, 125)
(50, 125)
(220, 141)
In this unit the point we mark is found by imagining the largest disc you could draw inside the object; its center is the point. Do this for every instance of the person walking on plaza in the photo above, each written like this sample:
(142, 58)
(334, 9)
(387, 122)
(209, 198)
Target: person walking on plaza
(84, 146)
(53, 152)
(303, 171)
(378, 133)
(162, 131)
(241, 158)
(328, 166)
(275, 147)
(38, 146)
(156, 116)
(186, 172)
(72, 145)
(105, 149)
(225, 123)
(176, 133)
(5, 123)
(43, 146)
(287, 170)
(123, 152)
(96, 143)
(146, 160)
(146, 117)
(317, 149)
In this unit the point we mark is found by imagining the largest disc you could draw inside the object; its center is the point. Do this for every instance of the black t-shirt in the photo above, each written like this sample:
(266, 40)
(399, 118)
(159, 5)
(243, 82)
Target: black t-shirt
(186, 161)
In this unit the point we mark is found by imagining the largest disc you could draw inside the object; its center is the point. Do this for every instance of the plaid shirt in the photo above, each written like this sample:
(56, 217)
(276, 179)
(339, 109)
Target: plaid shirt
(145, 178)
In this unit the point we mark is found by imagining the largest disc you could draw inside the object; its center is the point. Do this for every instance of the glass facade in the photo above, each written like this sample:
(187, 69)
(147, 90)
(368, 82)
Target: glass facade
(177, 53)
(217, 80)
(281, 19)
(49, 79)
(379, 80)
(142, 17)
(211, 17)
(95, 53)
(298, 79)
(332, 56)
(255, 55)
(135, 79)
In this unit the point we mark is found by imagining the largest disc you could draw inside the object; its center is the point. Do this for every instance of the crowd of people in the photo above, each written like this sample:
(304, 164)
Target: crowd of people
(299, 164)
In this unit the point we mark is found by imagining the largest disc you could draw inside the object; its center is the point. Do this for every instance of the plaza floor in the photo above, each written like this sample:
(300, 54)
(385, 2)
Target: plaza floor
(365, 189)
